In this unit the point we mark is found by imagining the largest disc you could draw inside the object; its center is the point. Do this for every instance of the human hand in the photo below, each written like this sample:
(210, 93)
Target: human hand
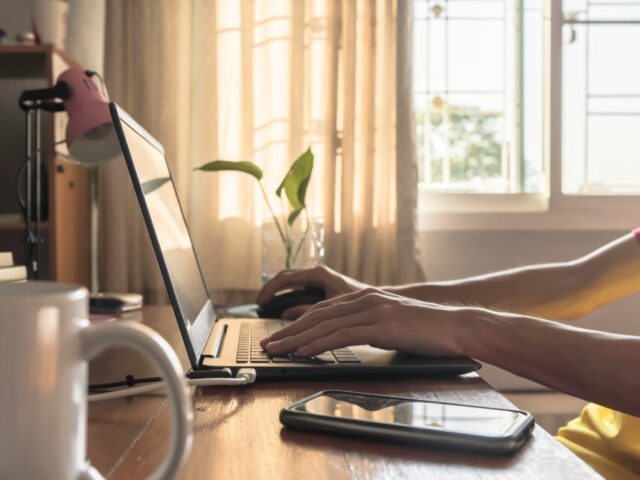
(332, 282)
(374, 317)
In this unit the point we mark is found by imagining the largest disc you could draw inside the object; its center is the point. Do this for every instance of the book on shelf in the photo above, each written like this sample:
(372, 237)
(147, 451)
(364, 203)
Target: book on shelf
(6, 259)
(10, 272)
(13, 274)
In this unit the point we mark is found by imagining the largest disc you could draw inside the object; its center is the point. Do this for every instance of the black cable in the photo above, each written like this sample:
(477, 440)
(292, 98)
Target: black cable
(19, 192)
(91, 74)
(129, 381)
(22, 203)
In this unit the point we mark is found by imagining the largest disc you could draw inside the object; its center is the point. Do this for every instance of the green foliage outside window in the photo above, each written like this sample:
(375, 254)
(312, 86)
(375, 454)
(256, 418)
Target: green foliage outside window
(471, 139)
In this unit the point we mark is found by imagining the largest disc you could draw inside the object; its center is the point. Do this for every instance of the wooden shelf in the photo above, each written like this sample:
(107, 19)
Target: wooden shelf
(48, 48)
(20, 226)
(35, 49)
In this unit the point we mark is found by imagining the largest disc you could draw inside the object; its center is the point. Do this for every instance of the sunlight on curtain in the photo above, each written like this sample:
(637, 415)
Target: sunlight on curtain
(263, 80)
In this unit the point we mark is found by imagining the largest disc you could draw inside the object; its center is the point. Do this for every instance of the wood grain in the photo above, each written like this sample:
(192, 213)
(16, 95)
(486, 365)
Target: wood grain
(70, 217)
(237, 434)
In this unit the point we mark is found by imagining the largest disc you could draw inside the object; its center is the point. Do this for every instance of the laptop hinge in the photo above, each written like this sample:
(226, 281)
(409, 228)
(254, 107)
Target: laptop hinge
(210, 372)
(213, 347)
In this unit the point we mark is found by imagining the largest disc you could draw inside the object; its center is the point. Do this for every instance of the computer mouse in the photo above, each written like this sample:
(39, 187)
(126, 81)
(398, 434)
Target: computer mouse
(114, 302)
(275, 307)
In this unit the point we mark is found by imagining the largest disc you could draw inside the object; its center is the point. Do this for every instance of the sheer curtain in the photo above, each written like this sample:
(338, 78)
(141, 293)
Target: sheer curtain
(262, 80)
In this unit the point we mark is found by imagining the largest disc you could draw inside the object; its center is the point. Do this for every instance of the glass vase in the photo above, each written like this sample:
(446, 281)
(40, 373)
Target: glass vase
(306, 248)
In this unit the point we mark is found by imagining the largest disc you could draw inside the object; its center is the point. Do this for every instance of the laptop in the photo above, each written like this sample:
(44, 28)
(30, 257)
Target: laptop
(215, 344)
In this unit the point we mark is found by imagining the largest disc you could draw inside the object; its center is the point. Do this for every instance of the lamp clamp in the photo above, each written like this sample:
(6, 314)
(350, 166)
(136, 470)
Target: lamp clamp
(44, 98)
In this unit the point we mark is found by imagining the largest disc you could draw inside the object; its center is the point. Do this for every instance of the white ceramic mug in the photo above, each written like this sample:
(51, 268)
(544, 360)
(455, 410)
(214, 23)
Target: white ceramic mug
(46, 341)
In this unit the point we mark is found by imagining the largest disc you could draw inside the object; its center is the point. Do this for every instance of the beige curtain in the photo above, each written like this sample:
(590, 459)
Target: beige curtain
(262, 80)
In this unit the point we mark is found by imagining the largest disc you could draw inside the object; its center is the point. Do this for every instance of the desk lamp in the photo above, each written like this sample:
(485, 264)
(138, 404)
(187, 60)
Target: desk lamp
(91, 140)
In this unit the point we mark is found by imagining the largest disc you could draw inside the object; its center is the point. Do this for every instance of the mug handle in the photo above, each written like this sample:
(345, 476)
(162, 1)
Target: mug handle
(96, 338)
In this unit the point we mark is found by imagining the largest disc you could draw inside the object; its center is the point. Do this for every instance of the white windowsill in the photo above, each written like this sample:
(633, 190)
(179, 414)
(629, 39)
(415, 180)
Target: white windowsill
(509, 212)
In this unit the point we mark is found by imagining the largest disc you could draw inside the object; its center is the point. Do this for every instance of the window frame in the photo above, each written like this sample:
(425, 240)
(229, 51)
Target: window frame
(553, 210)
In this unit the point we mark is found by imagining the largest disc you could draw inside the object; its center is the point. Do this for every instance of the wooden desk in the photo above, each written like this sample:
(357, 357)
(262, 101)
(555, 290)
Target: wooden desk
(237, 434)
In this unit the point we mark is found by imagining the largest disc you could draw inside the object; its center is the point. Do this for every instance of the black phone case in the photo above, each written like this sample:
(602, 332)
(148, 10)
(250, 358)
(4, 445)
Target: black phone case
(435, 438)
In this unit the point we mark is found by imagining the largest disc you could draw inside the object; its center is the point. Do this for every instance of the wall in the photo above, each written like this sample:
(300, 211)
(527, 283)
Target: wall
(85, 28)
(449, 255)
(14, 17)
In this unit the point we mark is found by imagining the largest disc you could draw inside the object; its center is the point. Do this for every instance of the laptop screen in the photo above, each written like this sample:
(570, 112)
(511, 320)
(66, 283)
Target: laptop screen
(168, 230)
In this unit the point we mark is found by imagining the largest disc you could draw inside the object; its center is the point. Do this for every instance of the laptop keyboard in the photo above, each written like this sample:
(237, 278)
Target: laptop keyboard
(250, 351)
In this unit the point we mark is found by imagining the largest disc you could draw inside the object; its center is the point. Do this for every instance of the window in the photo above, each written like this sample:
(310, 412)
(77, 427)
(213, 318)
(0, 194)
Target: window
(601, 97)
(478, 102)
(528, 101)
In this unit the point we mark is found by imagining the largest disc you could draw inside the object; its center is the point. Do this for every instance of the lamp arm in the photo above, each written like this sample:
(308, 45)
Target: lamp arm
(29, 98)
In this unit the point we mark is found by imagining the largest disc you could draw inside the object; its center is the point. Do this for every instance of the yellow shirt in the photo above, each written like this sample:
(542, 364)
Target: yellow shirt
(607, 440)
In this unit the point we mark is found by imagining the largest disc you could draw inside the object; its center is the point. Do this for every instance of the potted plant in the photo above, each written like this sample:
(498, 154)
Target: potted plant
(294, 186)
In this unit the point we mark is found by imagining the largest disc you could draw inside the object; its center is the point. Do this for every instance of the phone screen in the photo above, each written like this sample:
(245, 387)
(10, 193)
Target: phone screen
(414, 413)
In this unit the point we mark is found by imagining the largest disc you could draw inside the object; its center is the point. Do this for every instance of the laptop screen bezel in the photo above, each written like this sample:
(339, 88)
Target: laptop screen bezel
(195, 338)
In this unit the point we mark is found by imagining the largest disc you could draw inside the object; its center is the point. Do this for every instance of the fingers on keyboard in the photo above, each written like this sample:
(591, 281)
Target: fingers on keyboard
(249, 349)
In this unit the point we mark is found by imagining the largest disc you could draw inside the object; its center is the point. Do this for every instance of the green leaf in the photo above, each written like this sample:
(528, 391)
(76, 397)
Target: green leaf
(293, 215)
(226, 165)
(154, 184)
(295, 183)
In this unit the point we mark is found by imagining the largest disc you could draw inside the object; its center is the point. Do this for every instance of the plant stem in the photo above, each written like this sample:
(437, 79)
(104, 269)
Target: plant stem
(287, 230)
(285, 238)
(288, 262)
(304, 236)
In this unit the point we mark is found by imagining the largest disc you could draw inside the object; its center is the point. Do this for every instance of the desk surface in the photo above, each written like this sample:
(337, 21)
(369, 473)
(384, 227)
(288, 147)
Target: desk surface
(237, 434)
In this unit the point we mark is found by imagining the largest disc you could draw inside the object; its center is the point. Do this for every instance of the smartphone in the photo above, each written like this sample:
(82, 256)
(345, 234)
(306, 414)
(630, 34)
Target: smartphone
(407, 420)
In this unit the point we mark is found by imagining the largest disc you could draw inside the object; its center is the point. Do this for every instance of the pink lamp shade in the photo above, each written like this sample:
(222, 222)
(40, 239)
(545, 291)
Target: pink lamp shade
(90, 136)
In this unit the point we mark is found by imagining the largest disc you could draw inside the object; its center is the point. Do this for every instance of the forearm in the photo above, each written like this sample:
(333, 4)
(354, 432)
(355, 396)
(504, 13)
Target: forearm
(558, 291)
(552, 291)
(596, 366)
